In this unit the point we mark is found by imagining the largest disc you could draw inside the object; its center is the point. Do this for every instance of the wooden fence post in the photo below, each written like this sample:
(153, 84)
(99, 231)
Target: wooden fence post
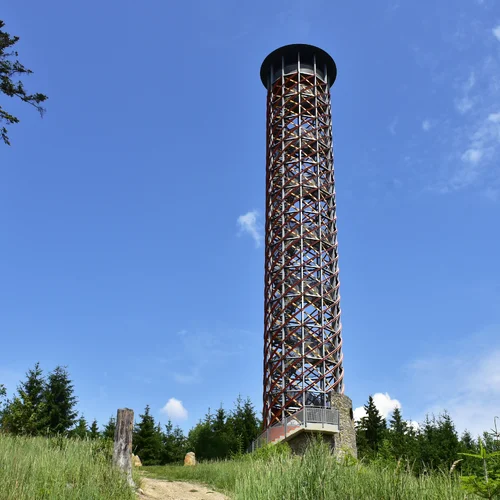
(122, 451)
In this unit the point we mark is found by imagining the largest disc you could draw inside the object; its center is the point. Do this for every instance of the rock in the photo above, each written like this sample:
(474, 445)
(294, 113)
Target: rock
(190, 459)
(136, 461)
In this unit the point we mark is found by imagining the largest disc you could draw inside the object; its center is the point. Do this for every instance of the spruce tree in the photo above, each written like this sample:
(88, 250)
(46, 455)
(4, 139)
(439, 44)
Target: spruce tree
(398, 435)
(467, 443)
(245, 424)
(174, 444)
(10, 68)
(223, 438)
(148, 439)
(438, 443)
(26, 413)
(3, 394)
(109, 429)
(371, 429)
(80, 430)
(94, 430)
(60, 402)
(469, 466)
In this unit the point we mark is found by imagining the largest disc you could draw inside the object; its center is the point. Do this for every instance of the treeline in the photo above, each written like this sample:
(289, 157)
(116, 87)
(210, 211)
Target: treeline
(433, 445)
(219, 436)
(46, 406)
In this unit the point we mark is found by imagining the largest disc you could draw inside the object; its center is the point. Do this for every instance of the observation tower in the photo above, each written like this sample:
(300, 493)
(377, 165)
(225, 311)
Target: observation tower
(303, 372)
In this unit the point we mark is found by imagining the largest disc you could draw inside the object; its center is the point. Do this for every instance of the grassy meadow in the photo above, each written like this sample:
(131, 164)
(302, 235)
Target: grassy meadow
(315, 476)
(58, 468)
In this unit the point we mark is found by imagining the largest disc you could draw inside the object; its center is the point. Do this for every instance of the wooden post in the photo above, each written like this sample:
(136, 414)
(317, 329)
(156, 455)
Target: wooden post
(122, 451)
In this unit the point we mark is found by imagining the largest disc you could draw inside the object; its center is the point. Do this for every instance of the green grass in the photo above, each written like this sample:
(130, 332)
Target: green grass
(316, 476)
(58, 468)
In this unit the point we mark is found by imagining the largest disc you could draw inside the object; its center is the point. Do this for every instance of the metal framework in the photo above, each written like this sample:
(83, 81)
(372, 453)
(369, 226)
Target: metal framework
(302, 327)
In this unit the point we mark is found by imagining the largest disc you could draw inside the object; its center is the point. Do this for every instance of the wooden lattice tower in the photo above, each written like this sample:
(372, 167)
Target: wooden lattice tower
(302, 330)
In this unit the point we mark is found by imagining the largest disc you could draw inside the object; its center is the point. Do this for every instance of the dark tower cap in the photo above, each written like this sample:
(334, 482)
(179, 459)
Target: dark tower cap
(289, 54)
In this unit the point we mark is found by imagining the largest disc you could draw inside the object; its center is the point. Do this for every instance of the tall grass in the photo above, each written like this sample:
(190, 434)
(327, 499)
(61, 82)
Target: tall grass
(58, 468)
(315, 476)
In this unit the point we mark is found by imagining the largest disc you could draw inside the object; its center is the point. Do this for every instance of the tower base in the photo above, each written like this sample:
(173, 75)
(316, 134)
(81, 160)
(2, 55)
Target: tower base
(345, 440)
(341, 442)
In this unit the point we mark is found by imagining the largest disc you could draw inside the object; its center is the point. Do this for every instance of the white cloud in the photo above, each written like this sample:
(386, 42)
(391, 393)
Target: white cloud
(189, 377)
(466, 103)
(413, 424)
(426, 125)
(496, 32)
(465, 384)
(393, 125)
(384, 403)
(248, 223)
(463, 105)
(174, 409)
(491, 194)
(359, 413)
(494, 117)
(472, 156)
(478, 164)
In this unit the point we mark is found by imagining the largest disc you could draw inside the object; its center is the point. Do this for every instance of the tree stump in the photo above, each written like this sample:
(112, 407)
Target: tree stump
(122, 451)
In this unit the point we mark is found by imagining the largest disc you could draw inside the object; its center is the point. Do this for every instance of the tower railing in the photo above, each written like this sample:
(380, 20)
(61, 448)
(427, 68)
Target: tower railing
(311, 417)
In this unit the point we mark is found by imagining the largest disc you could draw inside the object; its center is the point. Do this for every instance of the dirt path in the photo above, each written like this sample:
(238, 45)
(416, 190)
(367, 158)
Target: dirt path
(176, 490)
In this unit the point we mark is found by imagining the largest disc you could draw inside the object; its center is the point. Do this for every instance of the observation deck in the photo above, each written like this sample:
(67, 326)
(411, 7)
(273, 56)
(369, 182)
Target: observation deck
(307, 419)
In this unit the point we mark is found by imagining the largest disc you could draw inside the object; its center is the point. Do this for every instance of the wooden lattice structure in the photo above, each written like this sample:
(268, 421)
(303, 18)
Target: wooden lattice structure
(302, 337)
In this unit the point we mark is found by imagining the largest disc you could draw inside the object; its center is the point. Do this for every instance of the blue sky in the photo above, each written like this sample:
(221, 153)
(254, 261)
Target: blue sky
(131, 215)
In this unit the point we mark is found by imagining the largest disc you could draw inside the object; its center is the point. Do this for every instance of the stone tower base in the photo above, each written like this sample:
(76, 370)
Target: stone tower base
(345, 440)
(299, 443)
(341, 442)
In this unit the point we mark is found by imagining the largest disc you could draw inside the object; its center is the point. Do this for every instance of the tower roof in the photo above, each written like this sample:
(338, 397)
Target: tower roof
(289, 53)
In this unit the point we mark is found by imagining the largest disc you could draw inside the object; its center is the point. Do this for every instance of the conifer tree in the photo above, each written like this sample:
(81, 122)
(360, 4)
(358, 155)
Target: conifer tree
(174, 444)
(10, 68)
(467, 442)
(398, 435)
(109, 429)
(26, 413)
(94, 430)
(60, 402)
(148, 439)
(3, 394)
(245, 424)
(80, 430)
(468, 445)
(438, 444)
(223, 440)
(371, 429)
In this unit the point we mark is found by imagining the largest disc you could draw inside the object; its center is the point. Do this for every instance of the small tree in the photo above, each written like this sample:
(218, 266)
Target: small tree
(3, 392)
(399, 435)
(81, 430)
(148, 439)
(94, 430)
(10, 68)
(487, 486)
(438, 443)
(245, 424)
(25, 414)
(60, 408)
(174, 444)
(109, 429)
(371, 430)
